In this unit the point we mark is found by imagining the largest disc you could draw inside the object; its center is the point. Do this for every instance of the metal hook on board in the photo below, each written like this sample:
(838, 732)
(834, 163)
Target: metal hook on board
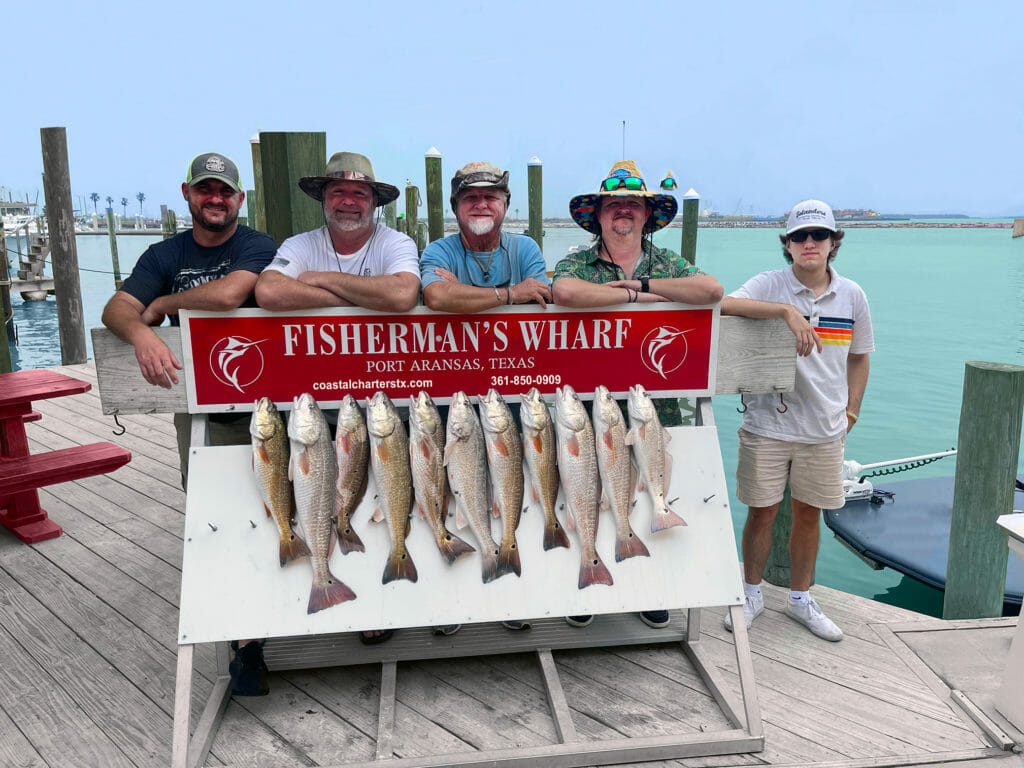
(123, 428)
(784, 407)
(744, 408)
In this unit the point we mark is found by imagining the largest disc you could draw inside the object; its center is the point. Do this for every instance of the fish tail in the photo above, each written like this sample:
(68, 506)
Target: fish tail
(399, 566)
(629, 545)
(664, 518)
(593, 571)
(508, 557)
(452, 547)
(325, 594)
(554, 534)
(348, 539)
(292, 548)
(489, 562)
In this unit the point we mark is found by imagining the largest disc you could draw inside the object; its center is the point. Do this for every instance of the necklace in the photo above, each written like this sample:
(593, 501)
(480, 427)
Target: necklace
(337, 257)
(486, 270)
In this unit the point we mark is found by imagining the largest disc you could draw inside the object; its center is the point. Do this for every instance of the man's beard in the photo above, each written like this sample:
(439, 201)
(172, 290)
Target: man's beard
(623, 226)
(350, 223)
(212, 226)
(480, 225)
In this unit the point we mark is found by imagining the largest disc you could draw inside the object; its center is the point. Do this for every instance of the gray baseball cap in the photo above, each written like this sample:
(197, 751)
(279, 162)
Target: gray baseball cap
(211, 165)
(811, 214)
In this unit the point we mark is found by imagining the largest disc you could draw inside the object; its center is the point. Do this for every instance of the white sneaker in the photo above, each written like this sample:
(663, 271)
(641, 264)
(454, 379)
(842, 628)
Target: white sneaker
(810, 615)
(752, 608)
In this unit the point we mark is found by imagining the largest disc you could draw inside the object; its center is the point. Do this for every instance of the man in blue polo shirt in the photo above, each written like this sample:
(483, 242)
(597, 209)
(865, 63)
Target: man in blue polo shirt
(802, 442)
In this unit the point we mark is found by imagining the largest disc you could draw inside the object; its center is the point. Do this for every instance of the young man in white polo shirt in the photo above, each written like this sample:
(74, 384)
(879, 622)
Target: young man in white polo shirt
(800, 437)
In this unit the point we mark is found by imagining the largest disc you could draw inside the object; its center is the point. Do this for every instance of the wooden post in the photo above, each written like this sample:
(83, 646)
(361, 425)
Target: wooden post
(412, 204)
(285, 158)
(691, 202)
(435, 194)
(534, 181)
(986, 468)
(112, 234)
(60, 216)
(6, 311)
(254, 197)
(391, 215)
(777, 571)
(421, 237)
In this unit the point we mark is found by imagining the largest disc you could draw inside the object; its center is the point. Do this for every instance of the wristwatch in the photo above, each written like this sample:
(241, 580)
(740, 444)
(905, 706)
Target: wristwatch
(645, 285)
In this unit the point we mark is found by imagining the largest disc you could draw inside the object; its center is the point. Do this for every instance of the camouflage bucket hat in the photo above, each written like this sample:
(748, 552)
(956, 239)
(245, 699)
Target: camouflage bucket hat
(348, 166)
(623, 180)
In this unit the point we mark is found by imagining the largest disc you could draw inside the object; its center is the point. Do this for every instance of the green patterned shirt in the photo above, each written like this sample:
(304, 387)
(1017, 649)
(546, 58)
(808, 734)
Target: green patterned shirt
(654, 263)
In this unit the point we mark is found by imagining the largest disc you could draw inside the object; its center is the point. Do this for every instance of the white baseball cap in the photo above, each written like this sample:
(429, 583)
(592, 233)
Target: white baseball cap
(808, 214)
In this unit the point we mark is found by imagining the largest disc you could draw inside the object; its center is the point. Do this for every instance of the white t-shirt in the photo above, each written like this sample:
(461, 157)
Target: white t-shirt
(815, 411)
(387, 252)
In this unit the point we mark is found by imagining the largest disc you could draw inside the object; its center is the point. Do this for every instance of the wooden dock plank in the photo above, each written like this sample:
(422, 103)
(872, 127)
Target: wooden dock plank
(15, 748)
(77, 684)
(352, 693)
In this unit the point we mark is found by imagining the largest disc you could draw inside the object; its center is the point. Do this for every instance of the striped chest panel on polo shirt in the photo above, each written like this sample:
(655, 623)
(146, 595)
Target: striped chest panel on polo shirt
(835, 330)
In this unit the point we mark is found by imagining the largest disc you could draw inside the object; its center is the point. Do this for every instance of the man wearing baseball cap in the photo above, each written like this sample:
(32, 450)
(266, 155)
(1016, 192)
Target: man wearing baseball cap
(800, 438)
(481, 267)
(353, 260)
(213, 266)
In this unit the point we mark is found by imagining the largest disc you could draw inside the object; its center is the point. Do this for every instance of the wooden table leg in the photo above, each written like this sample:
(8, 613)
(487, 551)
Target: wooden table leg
(22, 514)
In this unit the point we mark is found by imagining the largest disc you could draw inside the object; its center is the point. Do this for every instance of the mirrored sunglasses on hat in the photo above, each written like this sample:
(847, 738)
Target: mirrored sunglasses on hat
(631, 183)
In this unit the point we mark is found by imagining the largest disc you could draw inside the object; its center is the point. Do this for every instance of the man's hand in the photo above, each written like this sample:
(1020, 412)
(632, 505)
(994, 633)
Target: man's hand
(634, 286)
(528, 291)
(807, 339)
(153, 314)
(446, 275)
(156, 361)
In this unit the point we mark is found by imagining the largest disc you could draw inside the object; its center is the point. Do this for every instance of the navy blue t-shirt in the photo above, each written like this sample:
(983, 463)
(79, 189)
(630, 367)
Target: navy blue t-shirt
(180, 263)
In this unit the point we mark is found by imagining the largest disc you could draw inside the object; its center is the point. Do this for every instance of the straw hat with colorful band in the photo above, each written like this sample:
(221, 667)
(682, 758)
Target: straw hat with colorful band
(348, 166)
(623, 180)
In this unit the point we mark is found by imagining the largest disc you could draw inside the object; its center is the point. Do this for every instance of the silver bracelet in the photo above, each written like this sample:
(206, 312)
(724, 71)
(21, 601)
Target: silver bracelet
(497, 295)
(509, 289)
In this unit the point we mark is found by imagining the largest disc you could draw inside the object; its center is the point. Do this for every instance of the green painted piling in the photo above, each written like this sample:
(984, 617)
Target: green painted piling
(691, 204)
(412, 204)
(534, 183)
(435, 195)
(284, 159)
(986, 469)
(254, 197)
(391, 215)
(112, 234)
(60, 216)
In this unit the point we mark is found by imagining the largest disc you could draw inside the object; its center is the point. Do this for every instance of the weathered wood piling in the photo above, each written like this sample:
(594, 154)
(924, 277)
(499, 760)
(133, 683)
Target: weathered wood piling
(435, 195)
(691, 204)
(60, 217)
(986, 470)
(535, 203)
(284, 159)
(112, 234)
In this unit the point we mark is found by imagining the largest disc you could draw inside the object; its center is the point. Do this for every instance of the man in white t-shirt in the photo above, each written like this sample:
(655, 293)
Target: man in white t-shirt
(800, 437)
(353, 260)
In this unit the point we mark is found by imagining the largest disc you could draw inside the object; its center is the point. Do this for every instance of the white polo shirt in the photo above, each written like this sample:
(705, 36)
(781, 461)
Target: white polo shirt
(815, 412)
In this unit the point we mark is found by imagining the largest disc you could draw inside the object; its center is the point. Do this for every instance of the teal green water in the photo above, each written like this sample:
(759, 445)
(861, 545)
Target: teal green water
(939, 297)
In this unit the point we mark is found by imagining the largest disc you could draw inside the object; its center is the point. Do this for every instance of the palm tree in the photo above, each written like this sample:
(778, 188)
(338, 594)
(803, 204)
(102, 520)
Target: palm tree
(94, 197)
(124, 206)
(110, 201)
(140, 197)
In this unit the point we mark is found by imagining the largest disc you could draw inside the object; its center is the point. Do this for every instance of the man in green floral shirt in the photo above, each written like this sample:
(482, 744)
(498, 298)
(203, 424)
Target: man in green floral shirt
(623, 265)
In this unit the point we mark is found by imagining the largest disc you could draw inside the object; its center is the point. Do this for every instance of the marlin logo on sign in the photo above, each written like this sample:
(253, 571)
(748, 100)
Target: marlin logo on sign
(236, 361)
(664, 349)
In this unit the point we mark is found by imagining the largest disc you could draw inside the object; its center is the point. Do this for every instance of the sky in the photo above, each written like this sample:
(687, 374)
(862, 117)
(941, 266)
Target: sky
(899, 107)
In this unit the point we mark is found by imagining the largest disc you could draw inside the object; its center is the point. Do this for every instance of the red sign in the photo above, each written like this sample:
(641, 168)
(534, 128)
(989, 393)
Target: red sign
(235, 358)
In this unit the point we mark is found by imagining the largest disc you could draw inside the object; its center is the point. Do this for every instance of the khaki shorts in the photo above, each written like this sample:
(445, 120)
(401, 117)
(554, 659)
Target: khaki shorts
(814, 471)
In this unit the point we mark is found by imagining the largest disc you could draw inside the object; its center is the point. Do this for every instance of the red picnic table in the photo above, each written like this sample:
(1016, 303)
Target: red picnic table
(22, 473)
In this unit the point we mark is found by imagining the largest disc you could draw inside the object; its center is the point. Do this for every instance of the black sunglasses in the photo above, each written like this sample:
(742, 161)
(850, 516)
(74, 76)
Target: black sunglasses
(817, 235)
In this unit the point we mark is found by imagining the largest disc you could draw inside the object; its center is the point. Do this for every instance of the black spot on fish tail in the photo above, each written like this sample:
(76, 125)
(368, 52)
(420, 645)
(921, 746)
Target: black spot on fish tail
(292, 548)
(452, 547)
(664, 518)
(554, 536)
(630, 546)
(348, 539)
(593, 571)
